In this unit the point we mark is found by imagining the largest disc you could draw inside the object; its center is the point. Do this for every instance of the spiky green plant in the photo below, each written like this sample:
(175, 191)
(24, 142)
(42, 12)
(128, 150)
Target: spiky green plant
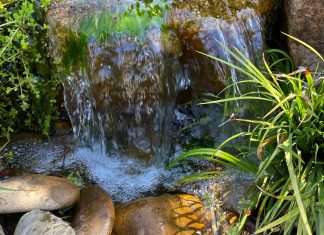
(290, 145)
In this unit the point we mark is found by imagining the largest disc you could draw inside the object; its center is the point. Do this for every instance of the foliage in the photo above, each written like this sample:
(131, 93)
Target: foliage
(76, 179)
(27, 89)
(290, 144)
(150, 8)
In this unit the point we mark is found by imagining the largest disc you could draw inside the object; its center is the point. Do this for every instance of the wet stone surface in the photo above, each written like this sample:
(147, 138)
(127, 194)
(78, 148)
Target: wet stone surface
(33, 153)
(179, 214)
(95, 212)
(224, 9)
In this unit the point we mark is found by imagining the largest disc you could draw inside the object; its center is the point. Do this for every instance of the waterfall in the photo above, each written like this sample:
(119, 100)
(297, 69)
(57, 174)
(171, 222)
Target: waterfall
(125, 67)
(121, 92)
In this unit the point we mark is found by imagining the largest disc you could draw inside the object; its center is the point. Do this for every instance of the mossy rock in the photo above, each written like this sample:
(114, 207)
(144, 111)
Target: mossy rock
(223, 9)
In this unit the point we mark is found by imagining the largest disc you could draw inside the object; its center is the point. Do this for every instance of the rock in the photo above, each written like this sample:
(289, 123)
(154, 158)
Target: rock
(131, 81)
(95, 212)
(26, 193)
(231, 189)
(181, 214)
(1, 231)
(224, 9)
(39, 222)
(207, 25)
(34, 153)
(305, 21)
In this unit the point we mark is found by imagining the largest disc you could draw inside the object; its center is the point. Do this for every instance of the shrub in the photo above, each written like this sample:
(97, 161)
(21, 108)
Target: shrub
(27, 87)
(290, 145)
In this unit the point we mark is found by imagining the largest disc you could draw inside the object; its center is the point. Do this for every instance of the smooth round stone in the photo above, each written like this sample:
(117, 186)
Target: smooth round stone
(39, 222)
(180, 214)
(26, 193)
(95, 212)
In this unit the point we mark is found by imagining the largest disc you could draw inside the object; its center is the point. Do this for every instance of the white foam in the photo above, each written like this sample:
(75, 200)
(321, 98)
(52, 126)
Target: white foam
(123, 178)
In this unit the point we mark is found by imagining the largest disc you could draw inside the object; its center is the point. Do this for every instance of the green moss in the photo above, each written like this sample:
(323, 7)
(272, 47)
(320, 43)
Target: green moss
(102, 26)
(75, 51)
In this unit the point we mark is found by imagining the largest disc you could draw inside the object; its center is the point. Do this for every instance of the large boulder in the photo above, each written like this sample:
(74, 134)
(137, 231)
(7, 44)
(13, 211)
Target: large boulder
(305, 20)
(95, 212)
(26, 193)
(181, 214)
(39, 222)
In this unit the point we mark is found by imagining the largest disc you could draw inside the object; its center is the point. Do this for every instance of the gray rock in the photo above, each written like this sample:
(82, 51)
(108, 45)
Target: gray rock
(26, 193)
(1, 231)
(39, 222)
(305, 21)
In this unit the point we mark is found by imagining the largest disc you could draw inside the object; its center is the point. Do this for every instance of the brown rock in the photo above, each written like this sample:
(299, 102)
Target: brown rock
(181, 214)
(207, 25)
(26, 193)
(305, 20)
(95, 212)
(224, 8)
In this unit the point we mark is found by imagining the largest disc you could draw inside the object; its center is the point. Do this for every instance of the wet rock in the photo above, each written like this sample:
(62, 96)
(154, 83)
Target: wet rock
(30, 192)
(230, 190)
(223, 8)
(33, 153)
(208, 26)
(39, 222)
(119, 83)
(63, 128)
(95, 212)
(305, 21)
(165, 215)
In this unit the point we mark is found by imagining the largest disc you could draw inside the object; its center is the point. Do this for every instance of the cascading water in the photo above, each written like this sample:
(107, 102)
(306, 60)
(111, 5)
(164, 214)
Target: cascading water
(125, 70)
(123, 93)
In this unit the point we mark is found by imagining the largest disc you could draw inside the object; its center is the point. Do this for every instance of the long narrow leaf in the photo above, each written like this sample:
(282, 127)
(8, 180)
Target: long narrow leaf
(305, 45)
(294, 183)
(290, 215)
